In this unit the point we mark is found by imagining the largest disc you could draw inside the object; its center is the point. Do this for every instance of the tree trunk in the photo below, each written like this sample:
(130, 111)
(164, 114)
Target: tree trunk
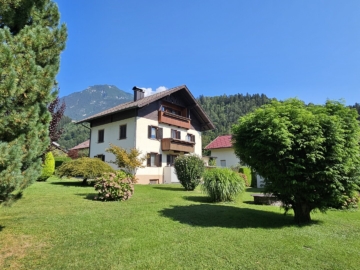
(302, 213)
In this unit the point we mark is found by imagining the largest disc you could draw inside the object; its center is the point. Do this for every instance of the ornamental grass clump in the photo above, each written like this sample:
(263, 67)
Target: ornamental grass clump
(116, 186)
(189, 170)
(222, 184)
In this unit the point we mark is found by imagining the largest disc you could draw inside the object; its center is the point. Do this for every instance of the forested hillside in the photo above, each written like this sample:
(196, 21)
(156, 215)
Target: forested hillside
(73, 134)
(225, 110)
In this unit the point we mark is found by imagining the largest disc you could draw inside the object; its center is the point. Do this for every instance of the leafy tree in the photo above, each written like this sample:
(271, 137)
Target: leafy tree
(189, 170)
(57, 111)
(31, 41)
(308, 155)
(129, 161)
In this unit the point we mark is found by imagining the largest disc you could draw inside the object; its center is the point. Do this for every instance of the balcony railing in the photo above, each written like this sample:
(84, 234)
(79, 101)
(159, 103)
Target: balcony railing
(169, 144)
(174, 120)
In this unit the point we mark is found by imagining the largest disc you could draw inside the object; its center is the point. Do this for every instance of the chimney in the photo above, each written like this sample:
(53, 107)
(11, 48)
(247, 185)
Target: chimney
(138, 93)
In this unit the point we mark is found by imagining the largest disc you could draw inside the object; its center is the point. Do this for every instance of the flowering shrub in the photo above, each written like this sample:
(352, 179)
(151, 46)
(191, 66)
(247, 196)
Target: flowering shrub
(222, 184)
(116, 186)
(189, 170)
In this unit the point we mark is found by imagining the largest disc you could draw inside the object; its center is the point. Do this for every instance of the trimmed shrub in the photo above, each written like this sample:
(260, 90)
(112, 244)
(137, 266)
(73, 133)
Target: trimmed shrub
(249, 178)
(60, 160)
(48, 168)
(85, 167)
(189, 170)
(116, 186)
(347, 201)
(222, 184)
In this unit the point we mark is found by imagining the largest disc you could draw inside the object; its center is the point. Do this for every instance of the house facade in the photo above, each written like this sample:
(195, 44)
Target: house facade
(162, 126)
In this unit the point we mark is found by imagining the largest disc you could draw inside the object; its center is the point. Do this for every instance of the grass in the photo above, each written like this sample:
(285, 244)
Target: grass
(57, 225)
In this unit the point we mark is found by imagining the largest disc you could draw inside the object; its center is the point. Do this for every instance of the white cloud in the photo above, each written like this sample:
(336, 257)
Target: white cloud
(149, 91)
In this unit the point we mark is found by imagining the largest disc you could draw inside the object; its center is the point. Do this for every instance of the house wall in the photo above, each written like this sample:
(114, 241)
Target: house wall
(226, 154)
(111, 135)
(146, 145)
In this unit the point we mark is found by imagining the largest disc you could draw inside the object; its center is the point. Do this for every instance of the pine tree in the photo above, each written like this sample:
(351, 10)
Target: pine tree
(31, 41)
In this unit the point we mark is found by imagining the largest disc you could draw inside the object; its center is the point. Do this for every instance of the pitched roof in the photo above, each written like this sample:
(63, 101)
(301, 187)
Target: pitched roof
(220, 142)
(81, 145)
(147, 100)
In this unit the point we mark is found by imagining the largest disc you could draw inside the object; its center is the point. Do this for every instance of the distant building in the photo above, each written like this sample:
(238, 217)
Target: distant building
(223, 152)
(81, 146)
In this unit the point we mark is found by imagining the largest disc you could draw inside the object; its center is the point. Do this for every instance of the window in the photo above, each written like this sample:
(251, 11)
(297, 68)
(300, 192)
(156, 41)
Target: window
(223, 163)
(170, 110)
(190, 137)
(153, 181)
(122, 134)
(154, 160)
(170, 159)
(155, 132)
(101, 156)
(100, 136)
(175, 134)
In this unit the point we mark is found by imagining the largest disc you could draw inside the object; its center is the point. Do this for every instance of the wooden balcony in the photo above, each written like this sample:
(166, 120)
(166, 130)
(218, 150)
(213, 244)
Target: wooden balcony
(168, 144)
(174, 120)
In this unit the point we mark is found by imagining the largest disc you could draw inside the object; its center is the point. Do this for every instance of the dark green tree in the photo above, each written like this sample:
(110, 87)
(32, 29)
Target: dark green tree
(308, 155)
(31, 41)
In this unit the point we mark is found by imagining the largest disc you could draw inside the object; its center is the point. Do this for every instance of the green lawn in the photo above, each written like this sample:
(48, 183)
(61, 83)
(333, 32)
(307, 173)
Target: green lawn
(57, 225)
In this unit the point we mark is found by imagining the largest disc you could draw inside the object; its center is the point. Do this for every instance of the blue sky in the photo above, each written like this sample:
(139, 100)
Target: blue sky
(305, 49)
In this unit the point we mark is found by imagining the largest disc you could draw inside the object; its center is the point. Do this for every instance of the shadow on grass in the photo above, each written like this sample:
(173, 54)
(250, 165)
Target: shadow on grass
(169, 187)
(199, 199)
(73, 184)
(87, 196)
(210, 215)
(257, 190)
(249, 202)
(1, 227)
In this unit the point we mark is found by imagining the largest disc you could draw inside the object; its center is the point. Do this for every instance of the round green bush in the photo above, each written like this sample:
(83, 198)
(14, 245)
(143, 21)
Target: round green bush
(222, 184)
(116, 186)
(85, 167)
(189, 170)
(48, 168)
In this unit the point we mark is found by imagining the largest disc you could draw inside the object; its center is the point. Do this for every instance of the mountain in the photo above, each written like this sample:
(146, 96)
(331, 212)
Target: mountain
(93, 100)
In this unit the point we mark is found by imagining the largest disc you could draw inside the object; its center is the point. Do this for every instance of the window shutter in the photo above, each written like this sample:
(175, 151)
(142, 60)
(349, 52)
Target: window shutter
(149, 131)
(159, 160)
(159, 133)
(148, 161)
(193, 138)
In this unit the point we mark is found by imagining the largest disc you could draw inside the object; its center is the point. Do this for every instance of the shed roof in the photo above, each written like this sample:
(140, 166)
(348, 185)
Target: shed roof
(82, 145)
(220, 142)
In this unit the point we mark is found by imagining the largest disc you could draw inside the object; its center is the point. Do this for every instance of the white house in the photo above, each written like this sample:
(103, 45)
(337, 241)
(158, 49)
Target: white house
(223, 152)
(162, 126)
